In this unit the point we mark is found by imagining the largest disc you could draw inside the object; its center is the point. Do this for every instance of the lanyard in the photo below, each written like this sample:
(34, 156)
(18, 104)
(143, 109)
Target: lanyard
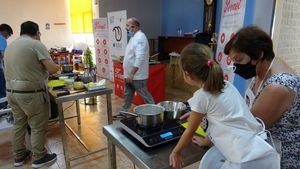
(259, 87)
(250, 96)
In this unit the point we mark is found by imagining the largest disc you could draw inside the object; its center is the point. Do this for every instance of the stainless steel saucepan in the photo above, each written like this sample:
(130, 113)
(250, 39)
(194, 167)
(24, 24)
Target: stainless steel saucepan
(148, 115)
(173, 109)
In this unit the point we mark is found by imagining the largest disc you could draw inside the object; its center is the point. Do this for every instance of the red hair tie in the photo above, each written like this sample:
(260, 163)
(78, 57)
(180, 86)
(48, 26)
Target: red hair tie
(210, 62)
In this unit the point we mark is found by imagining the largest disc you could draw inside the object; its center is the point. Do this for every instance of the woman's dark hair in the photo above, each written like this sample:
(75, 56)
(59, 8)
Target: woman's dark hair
(29, 28)
(7, 28)
(252, 41)
(195, 59)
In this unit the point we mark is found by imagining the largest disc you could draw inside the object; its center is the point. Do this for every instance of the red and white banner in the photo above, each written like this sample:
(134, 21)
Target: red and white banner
(117, 36)
(233, 13)
(100, 29)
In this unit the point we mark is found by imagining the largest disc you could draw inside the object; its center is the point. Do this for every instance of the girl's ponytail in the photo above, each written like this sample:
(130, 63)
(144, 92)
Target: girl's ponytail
(215, 81)
(196, 59)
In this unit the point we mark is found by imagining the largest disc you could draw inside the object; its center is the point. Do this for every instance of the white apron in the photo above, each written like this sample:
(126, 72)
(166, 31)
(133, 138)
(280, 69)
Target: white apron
(213, 159)
(246, 151)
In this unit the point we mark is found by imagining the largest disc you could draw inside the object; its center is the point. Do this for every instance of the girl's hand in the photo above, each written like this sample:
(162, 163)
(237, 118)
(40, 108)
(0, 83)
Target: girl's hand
(202, 141)
(175, 160)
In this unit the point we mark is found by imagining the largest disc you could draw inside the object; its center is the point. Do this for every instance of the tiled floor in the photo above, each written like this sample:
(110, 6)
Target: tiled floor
(93, 118)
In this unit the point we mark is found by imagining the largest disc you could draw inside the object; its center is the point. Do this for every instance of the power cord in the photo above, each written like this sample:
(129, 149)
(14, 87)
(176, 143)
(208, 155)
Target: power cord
(54, 122)
(69, 106)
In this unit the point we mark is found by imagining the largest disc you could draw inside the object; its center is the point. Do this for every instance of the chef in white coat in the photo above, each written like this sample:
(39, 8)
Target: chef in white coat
(136, 64)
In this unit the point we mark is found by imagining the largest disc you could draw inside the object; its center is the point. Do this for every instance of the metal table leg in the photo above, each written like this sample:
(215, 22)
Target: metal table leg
(111, 155)
(109, 109)
(78, 112)
(63, 135)
(77, 137)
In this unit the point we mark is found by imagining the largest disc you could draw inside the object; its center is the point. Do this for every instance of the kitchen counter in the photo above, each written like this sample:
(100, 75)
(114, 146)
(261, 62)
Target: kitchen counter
(146, 158)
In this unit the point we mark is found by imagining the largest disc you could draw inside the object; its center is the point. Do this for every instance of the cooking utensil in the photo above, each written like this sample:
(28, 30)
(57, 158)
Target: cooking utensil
(151, 57)
(173, 110)
(67, 68)
(127, 113)
(147, 115)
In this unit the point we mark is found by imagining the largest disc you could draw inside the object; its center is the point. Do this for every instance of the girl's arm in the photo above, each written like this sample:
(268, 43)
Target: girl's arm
(193, 123)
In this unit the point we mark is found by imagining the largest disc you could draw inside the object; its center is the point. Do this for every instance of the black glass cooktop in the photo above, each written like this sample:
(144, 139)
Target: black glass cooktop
(150, 137)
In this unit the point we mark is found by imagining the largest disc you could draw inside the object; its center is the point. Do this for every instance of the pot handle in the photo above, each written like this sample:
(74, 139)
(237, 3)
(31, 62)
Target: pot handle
(128, 113)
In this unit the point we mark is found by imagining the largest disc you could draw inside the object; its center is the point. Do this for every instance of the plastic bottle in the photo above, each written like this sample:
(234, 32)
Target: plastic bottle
(86, 77)
(179, 31)
(93, 74)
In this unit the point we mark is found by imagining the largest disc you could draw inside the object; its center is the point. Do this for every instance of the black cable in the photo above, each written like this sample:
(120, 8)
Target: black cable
(52, 123)
(69, 106)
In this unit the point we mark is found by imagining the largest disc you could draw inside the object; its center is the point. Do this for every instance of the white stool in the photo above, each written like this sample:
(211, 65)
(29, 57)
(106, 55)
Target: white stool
(212, 159)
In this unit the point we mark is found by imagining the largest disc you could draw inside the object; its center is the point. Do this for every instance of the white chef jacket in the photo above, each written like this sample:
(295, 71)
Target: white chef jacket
(137, 54)
(232, 128)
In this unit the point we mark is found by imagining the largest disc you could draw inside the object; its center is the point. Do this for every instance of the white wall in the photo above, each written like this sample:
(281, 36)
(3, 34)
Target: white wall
(55, 12)
(263, 14)
(286, 32)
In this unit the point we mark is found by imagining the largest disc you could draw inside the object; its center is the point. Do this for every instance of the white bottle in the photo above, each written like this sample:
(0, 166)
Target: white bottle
(179, 31)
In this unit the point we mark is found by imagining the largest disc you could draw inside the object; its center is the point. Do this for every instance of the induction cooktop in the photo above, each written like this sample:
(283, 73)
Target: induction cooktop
(151, 137)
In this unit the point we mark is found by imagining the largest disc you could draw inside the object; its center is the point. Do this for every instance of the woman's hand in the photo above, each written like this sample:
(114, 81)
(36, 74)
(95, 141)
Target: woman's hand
(175, 160)
(185, 116)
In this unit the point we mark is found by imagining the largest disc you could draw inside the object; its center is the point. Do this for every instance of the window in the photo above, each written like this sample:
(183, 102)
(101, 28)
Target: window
(81, 16)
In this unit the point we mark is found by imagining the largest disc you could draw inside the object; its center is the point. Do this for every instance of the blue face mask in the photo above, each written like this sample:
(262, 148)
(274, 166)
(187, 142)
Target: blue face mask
(130, 34)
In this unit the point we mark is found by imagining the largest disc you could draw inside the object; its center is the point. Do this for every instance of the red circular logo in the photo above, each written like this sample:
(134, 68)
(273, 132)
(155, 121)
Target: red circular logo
(232, 35)
(99, 60)
(105, 51)
(98, 51)
(106, 61)
(222, 37)
(228, 60)
(226, 77)
(220, 55)
(97, 41)
(227, 2)
(104, 42)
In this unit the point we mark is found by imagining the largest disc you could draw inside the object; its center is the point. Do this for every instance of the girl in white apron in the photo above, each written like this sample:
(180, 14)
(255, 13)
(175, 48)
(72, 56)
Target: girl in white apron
(232, 128)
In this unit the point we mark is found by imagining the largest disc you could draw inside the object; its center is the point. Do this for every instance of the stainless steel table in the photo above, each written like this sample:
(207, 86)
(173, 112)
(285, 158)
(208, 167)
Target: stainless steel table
(153, 158)
(75, 97)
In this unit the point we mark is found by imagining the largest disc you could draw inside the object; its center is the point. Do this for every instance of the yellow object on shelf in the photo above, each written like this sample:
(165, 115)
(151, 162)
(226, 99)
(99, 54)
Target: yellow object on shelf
(199, 130)
(78, 85)
(96, 86)
(56, 83)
